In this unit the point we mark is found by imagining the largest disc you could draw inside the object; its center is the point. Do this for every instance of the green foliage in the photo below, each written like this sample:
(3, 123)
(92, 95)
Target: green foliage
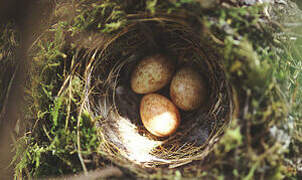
(232, 139)
(151, 5)
(292, 62)
(112, 15)
(259, 69)
(108, 17)
(62, 130)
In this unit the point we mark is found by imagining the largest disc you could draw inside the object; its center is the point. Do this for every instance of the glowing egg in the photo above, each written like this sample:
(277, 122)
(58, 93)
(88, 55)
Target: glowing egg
(159, 115)
(151, 74)
(187, 89)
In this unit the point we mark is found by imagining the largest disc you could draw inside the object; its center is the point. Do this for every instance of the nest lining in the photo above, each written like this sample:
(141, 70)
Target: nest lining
(117, 106)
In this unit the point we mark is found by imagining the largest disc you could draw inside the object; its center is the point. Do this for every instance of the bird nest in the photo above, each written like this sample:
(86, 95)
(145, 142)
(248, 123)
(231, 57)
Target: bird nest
(116, 106)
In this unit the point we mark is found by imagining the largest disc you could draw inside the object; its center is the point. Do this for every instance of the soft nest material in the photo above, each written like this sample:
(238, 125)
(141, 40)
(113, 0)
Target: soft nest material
(112, 101)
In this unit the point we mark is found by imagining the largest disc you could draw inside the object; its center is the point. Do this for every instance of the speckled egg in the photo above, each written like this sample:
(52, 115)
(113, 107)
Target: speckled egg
(188, 89)
(159, 115)
(151, 74)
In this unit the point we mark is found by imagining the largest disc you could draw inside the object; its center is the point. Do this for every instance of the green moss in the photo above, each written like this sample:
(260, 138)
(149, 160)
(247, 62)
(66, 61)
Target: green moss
(61, 130)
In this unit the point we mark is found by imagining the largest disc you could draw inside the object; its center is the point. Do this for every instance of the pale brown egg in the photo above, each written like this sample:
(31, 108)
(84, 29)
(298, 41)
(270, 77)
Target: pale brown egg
(159, 115)
(187, 89)
(151, 74)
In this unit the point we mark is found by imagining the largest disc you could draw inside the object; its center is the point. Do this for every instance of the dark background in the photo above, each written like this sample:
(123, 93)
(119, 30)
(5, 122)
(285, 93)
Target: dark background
(27, 15)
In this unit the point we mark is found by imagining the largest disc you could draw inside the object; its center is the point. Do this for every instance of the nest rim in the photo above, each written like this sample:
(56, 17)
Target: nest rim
(201, 151)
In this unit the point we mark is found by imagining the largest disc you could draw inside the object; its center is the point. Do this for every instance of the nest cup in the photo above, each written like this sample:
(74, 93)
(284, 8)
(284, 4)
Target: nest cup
(116, 106)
